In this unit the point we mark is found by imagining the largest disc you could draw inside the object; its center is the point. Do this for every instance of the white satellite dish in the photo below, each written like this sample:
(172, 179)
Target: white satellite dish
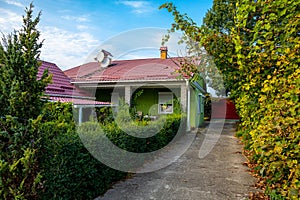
(103, 58)
(100, 56)
(105, 62)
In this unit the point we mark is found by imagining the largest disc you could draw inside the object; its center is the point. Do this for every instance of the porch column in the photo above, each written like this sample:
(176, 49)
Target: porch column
(80, 115)
(183, 95)
(127, 94)
(185, 102)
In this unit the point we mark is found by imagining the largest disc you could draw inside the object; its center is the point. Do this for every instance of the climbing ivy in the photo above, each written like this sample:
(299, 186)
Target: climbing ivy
(255, 44)
(268, 99)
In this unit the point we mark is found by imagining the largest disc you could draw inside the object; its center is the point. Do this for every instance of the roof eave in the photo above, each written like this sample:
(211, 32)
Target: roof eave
(128, 81)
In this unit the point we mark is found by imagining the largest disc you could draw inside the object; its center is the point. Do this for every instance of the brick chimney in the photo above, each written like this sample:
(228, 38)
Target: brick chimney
(163, 52)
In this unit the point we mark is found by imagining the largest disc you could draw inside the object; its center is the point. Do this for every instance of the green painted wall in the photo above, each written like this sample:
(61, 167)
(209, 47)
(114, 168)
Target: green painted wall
(147, 102)
(197, 104)
(202, 111)
(193, 109)
(196, 109)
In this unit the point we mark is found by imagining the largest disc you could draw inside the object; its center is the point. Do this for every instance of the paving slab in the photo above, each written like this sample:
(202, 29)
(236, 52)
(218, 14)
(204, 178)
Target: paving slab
(220, 175)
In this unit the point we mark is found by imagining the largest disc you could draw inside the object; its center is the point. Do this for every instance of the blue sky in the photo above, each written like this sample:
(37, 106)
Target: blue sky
(73, 30)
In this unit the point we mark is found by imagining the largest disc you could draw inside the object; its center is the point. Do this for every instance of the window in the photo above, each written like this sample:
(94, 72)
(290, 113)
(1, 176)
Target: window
(200, 101)
(165, 102)
(199, 104)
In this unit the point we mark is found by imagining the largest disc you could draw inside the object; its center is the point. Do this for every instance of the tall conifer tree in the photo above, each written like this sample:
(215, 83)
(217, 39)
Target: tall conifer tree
(20, 89)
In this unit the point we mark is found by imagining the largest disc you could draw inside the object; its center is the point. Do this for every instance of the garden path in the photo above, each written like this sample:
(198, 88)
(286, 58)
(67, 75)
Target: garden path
(218, 176)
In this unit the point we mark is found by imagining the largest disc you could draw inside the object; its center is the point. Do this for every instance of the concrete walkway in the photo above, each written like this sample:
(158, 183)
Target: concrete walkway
(219, 175)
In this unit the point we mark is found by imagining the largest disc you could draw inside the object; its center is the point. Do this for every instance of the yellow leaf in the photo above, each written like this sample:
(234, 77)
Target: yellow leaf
(278, 63)
(287, 50)
(247, 87)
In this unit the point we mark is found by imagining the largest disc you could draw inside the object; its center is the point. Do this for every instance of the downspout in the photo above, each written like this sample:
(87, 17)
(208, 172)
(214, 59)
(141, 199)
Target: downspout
(188, 126)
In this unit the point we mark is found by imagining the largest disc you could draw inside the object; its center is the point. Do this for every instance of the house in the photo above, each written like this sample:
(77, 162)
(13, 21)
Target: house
(61, 89)
(150, 85)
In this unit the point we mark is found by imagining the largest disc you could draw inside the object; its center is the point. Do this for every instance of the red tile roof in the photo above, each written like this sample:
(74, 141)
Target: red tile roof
(126, 70)
(61, 88)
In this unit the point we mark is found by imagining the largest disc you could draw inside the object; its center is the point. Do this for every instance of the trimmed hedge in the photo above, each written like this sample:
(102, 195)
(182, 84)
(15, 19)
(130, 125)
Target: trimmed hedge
(57, 165)
(120, 132)
(119, 137)
(69, 171)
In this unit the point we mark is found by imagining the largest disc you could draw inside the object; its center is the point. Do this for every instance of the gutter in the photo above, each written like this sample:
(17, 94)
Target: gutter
(126, 81)
(68, 96)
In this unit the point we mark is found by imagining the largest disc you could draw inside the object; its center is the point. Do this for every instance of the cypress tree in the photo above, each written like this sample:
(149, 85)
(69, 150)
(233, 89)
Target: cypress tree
(20, 89)
(20, 105)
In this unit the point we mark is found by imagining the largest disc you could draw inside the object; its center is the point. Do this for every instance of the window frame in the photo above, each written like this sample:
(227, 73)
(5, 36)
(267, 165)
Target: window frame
(160, 103)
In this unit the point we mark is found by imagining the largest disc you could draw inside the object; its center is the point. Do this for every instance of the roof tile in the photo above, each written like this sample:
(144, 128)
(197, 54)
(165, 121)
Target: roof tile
(61, 84)
(122, 70)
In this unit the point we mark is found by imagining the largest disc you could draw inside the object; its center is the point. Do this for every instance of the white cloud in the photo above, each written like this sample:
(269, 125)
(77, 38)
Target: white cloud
(9, 21)
(82, 18)
(138, 7)
(147, 42)
(65, 48)
(15, 3)
(82, 27)
(135, 4)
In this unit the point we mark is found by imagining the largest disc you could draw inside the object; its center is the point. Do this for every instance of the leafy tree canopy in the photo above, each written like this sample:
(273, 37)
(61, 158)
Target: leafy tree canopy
(213, 36)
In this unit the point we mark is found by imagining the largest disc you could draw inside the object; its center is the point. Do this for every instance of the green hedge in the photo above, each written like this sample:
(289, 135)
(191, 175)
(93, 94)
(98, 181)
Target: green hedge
(267, 98)
(170, 127)
(69, 171)
(55, 164)
(120, 133)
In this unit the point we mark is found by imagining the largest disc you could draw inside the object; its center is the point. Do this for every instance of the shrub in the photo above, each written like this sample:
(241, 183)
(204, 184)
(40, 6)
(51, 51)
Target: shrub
(207, 106)
(163, 130)
(268, 96)
(104, 115)
(132, 136)
(57, 165)
(69, 171)
(19, 170)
